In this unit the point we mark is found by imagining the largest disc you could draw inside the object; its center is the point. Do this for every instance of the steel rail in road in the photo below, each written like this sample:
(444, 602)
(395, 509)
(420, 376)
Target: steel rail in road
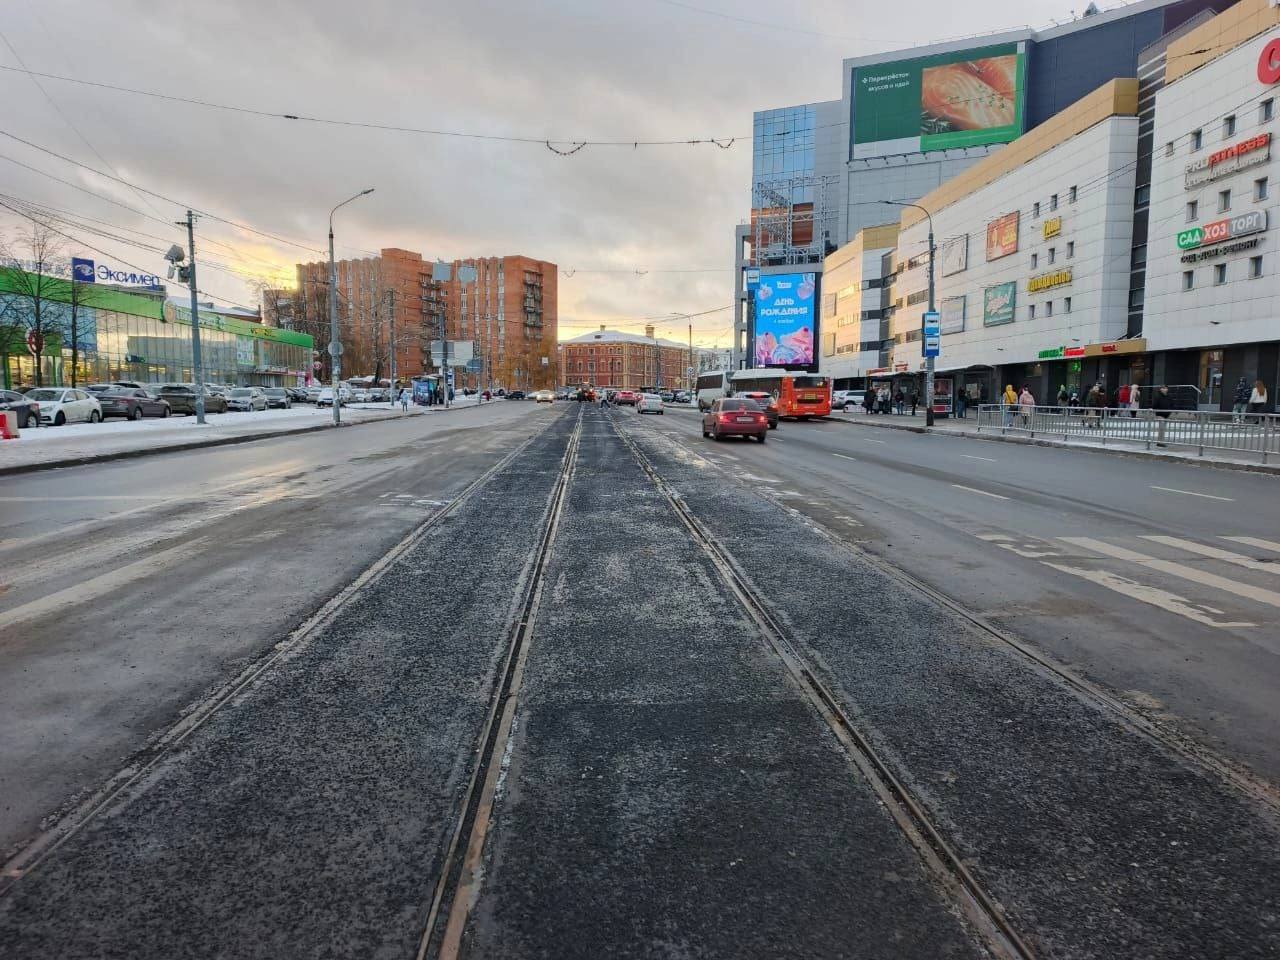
(140, 764)
(978, 905)
(460, 874)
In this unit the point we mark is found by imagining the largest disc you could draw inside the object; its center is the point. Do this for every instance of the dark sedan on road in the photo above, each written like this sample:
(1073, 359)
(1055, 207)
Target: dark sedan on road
(735, 417)
(132, 404)
(27, 411)
(765, 402)
(181, 398)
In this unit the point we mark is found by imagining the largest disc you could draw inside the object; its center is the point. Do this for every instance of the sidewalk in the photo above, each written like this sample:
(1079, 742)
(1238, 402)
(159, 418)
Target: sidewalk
(80, 443)
(951, 426)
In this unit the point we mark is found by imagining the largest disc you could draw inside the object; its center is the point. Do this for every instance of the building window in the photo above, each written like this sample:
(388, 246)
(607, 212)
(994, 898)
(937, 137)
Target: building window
(1071, 197)
(1139, 257)
(1197, 140)
(1053, 202)
(1071, 249)
(1048, 309)
(1193, 207)
(1219, 274)
(1260, 188)
(1031, 311)
(1188, 279)
(1168, 149)
(1053, 254)
(1266, 110)
(1137, 297)
(1224, 201)
(1228, 127)
(1035, 209)
(1035, 259)
(1142, 196)
(1255, 267)
(1066, 304)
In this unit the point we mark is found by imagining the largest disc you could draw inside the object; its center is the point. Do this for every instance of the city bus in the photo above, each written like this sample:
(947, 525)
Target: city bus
(711, 386)
(799, 394)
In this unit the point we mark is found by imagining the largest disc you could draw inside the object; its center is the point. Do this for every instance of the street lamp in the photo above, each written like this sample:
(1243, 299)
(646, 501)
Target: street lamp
(335, 345)
(928, 360)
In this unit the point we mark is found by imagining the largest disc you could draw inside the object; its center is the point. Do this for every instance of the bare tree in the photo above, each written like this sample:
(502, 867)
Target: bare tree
(34, 289)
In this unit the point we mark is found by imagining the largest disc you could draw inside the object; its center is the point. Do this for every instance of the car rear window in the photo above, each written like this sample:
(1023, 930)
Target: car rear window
(734, 404)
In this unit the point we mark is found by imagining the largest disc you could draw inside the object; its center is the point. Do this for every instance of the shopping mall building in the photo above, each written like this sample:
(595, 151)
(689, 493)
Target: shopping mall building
(134, 333)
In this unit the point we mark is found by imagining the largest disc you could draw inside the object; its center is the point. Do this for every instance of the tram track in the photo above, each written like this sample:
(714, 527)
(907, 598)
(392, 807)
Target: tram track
(458, 883)
(944, 862)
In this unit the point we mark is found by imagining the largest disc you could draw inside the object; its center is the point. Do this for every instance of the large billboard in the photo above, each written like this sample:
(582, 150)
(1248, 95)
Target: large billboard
(786, 319)
(955, 255)
(1002, 236)
(998, 304)
(962, 99)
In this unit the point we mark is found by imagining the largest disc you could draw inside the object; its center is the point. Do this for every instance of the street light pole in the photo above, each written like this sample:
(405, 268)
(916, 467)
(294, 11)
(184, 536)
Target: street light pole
(195, 317)
(335, 345)
(928, 360)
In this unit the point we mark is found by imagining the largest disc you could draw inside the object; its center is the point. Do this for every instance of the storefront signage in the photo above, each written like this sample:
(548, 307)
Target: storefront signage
(1053, 354)
(998, 304)
(1052, 227)
(1211, 253)
(1071, 352)
(1240, 156)
(1115, 347)
(1047, 281)
(955, 255)
(1269, 63)
(1255, 221)
(1002, 236)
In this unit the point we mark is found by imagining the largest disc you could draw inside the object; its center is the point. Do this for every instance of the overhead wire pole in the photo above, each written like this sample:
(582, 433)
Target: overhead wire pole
(929, 359)
(196, 360)
(335, 344)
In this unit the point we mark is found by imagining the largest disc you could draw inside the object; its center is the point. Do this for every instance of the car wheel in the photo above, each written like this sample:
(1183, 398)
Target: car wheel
(94, 416)
(165, 412)
(32, 421)
(764, 436)
(660, 412)
(137, 414)
(773, 426)
(59, 419)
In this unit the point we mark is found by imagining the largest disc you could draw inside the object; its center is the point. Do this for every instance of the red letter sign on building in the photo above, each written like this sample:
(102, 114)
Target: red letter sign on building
(1269, 63)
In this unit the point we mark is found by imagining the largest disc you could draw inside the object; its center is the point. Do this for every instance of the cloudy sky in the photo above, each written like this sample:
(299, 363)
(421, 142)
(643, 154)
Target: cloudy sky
(559, 69)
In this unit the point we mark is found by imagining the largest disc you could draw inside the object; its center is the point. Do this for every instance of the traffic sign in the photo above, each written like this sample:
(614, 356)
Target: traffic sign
(932, 345)
(335, 348)
(35, 342)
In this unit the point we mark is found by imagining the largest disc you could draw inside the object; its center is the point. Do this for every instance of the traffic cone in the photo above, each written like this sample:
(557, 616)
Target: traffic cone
(8, 425)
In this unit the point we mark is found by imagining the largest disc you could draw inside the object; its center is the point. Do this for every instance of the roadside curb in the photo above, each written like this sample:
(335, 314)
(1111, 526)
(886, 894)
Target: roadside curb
(21, 468)
(1266, 469)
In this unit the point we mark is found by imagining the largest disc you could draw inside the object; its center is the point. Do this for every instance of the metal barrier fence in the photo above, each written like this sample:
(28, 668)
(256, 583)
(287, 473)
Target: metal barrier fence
(1240, 433)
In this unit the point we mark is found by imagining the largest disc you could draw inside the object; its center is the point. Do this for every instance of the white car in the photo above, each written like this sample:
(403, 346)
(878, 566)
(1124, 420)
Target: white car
(59, 405)
(844, 399)
(649, 403)
(544, 396)
(325, 397)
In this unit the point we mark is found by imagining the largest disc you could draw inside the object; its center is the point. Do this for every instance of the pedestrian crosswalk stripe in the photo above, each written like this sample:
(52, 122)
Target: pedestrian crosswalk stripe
(1256, 542)
(1152, 595)
(1249, 563)
(1177, 570)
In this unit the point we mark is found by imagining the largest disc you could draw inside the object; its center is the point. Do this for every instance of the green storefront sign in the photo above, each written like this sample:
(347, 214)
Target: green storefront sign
(998, 303)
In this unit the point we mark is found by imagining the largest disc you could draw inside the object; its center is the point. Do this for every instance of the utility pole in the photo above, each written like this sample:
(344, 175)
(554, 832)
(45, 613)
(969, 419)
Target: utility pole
(335, 344)
(391, 390)
(688, 370)
(928, 360)
(195, 316)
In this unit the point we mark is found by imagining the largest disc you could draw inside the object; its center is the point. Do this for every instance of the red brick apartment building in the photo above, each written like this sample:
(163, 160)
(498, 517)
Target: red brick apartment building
(509, 312)
(628, 361)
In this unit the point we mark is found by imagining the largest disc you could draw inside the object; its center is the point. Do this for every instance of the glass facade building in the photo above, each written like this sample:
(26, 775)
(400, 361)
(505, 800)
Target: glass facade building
(125, 335)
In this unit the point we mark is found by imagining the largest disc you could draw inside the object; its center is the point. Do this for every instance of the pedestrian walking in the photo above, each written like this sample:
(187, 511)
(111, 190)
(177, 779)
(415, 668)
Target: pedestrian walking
(404, 400)
(1163, 406)
(1258, 399)
(899, 399)
(1240, 402)
(869, 400)
(1094, 401)
(1063, 396)
(885, 400)
(1009, 400)
(915, 400)
(1027, 402)
(1135, 400)
(1122, 396)
(961, 402)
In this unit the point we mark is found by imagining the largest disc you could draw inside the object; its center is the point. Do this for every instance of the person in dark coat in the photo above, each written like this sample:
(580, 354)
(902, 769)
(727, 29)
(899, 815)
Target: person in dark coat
(1163, 406)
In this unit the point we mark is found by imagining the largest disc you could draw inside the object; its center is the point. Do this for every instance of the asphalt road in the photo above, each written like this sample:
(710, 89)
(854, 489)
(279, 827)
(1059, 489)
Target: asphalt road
(1160, 581)
(132, 587)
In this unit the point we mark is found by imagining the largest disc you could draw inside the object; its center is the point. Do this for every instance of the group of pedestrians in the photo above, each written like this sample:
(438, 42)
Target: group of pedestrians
(1248, 401)
(883, 400)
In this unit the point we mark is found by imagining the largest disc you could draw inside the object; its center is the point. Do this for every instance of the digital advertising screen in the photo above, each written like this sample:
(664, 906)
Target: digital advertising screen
(786, 320)
(961, 99)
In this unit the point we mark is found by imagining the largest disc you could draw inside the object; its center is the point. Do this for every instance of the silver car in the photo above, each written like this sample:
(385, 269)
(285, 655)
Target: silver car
(246, 398)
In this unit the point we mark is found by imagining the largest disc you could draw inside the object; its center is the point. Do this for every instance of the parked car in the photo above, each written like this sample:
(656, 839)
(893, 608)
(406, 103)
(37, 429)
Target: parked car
(733, 416)
(24, 408)
(667, 395)
(544, 396)
(515, 395)
(181, 398)
(649, 403)
(325, 397)
(847, 399)
(360, 396)
(59, 405)
(313, 393)
(379, 395)
(277, 397)
(131, 403)
(247, 398)
(626, 398)
(682, 396)
(765, 402)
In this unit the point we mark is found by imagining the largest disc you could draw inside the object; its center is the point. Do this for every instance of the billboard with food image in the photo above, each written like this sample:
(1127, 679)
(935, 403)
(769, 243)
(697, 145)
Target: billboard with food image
(785, 319)
(961, 99)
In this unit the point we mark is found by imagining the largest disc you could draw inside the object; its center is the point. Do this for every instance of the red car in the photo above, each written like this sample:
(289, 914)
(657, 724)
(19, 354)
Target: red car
(734, 417)
(626, 398)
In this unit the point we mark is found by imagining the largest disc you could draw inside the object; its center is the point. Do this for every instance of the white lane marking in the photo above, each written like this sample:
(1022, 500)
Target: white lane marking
(840, 455)
(1152, 595)
(752, 476)
(727, 456)
(976, 490)
(1256, 542)
(1177, 570)
(965, 455)
(775, 439)
(1192, 493)
(94, 587)
(121, 496)
(850, 521)
(869, 440)
(1249, 563)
